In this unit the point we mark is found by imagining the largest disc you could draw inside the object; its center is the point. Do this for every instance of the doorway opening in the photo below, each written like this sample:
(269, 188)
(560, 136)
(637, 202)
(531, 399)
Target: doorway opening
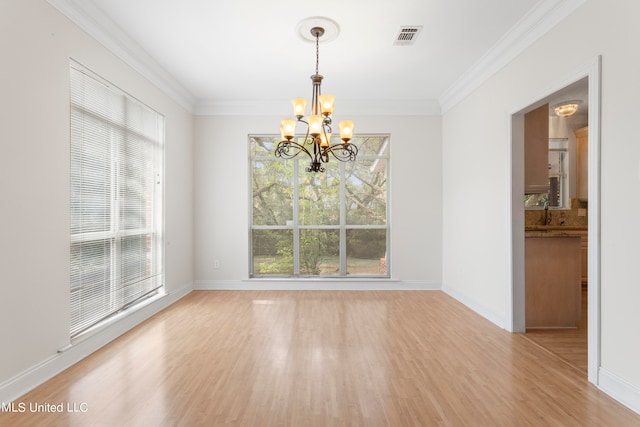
(579, 218)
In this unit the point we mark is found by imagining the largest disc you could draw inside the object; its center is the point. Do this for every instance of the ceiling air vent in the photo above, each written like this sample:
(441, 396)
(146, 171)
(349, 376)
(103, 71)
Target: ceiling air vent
(407, 35)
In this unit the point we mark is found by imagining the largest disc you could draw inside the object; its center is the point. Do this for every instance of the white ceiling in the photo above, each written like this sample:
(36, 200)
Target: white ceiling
(219, 55)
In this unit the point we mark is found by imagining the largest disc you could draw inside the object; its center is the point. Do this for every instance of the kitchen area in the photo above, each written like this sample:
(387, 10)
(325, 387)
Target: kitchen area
(556, 224)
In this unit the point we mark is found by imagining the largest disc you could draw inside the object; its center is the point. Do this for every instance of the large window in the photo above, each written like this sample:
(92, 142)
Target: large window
(331, 224)
(116, 200)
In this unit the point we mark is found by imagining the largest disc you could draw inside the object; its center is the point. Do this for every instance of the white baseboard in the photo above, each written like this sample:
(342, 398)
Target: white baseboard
(318, 285)
(482, 310)
(22, 383)
(621, 390)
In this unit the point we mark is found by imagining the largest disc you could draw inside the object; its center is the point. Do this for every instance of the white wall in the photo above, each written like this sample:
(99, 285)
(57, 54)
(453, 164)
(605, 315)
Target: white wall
(462, 160)
(36, 43)
(476, 160)
(222, 198)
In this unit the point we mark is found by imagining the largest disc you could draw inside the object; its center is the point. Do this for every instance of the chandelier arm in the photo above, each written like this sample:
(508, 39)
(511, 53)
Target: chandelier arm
(308, 140)
(326, 125)
(290, 149)
(321, 156)
(343, 152)
(324, 156)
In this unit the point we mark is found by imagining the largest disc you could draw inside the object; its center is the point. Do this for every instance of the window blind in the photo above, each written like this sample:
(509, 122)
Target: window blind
(117, 149)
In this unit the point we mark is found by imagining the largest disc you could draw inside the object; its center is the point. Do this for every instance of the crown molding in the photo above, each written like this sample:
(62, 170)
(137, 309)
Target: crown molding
(93, 21)
(386, 107)
(537, 22)
(542, 18)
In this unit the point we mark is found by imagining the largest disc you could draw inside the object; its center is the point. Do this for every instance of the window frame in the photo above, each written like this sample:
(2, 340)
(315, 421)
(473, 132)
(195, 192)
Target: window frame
(299, 167)
(135, 229)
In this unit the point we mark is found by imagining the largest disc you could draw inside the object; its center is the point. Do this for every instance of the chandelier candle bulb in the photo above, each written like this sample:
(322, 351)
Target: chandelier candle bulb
(326, 104)
(325, 139)
(288, 128)
(299, 106)
(315, 124)
(346, 130)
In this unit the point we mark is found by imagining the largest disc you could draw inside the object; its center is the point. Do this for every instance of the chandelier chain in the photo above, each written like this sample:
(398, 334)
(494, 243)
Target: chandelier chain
(317, 51)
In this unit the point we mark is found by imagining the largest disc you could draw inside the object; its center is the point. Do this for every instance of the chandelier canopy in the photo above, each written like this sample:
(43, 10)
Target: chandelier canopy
(316, 142)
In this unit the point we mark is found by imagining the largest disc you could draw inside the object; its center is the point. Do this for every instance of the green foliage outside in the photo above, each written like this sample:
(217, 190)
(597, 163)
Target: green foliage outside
(362, 186)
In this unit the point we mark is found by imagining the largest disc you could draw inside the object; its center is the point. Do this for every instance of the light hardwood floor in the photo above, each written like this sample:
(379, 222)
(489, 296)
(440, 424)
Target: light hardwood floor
(308, 358)
(568, 344)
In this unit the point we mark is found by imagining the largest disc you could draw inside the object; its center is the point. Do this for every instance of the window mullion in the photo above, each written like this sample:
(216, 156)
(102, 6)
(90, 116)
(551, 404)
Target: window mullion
(343, 222)
(115, 218)
(296, 218)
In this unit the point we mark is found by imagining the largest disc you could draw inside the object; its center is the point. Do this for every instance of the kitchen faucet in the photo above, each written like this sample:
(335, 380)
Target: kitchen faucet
(547, 218)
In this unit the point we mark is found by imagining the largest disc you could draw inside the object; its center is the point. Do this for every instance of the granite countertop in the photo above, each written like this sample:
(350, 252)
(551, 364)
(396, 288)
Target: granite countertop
(555, 231)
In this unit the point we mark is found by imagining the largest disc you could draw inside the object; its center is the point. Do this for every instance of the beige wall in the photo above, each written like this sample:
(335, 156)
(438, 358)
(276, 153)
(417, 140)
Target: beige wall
(476, 173)
(222, 198)
(36, 43)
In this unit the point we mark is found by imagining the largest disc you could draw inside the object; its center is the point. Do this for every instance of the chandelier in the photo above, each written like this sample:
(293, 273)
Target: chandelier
(316, 142)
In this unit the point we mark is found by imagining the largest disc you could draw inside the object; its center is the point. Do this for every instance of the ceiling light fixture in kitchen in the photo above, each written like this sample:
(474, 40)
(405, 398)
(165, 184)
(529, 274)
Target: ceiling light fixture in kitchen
(567, 108)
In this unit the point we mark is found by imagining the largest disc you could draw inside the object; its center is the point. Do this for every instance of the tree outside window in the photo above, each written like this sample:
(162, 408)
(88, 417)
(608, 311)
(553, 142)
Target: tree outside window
(331, 224)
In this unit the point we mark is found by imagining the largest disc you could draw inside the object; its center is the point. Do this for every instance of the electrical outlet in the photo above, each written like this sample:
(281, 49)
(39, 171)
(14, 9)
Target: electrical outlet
(216, 263)
(582, 212)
